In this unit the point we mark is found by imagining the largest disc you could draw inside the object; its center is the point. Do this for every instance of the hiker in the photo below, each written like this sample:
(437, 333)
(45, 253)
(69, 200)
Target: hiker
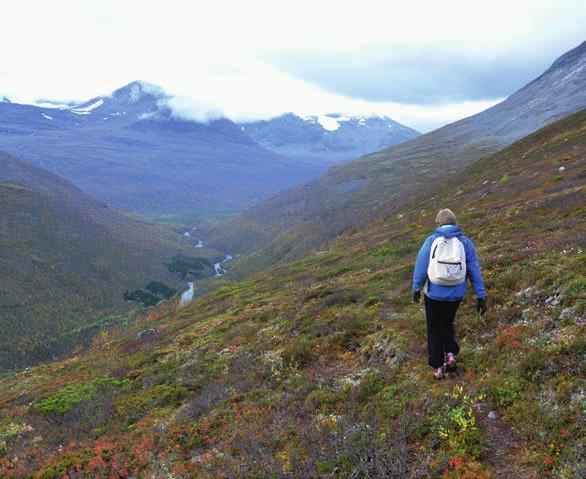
(446, 259)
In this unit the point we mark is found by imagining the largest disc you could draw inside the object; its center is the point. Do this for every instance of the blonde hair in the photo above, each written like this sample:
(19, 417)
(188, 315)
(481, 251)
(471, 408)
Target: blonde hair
(446, 216)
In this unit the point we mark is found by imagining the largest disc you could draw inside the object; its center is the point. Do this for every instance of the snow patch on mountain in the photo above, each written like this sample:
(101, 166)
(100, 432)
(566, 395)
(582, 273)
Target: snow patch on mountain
(330, 137)
(92, 106)
(328, 123)
(134, 93)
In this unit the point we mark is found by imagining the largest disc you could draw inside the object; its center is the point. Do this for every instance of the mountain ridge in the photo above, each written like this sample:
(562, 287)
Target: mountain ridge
(331, 137)
(354, 193)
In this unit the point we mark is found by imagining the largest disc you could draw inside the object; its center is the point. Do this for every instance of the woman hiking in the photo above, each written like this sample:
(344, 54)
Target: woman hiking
(446, 259)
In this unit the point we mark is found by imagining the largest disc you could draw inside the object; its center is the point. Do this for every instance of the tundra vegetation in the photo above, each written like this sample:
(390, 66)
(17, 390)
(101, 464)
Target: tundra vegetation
(317, 368)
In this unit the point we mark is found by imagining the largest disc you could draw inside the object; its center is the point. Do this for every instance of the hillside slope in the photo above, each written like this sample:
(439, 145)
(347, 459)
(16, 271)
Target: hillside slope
(354, 193)
(66, 258)
(317, 369)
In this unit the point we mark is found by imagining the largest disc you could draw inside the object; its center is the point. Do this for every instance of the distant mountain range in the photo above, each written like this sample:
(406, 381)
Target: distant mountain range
(332, 137)
(130, 150)
(357, 192)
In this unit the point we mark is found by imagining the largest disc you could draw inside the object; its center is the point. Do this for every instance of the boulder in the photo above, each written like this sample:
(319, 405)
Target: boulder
(146, 333)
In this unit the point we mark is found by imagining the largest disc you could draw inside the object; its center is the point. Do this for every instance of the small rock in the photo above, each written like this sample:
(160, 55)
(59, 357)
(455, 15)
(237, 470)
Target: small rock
(562, 168)
(556, 299)
(492, 415)
(146, 333)
(526, 294)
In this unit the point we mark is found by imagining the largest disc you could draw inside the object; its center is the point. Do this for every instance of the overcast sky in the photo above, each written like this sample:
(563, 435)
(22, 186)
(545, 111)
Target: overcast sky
(424, 63)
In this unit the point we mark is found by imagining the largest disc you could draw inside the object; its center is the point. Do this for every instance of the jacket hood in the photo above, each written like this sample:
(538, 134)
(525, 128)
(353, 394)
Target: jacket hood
(449, 231)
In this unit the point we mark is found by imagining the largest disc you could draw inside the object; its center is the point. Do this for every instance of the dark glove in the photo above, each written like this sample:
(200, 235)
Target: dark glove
(416, 296)
(481, 306)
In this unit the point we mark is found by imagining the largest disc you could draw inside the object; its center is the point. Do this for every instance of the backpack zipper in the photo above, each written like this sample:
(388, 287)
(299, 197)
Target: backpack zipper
(450, 262)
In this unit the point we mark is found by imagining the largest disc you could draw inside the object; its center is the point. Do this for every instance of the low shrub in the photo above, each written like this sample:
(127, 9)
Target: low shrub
(298, 353)
(65, 399)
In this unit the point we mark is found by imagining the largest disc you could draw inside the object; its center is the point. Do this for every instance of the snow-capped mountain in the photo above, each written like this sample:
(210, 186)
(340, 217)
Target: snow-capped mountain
(127, 148)
(331, 137)
(137, 100)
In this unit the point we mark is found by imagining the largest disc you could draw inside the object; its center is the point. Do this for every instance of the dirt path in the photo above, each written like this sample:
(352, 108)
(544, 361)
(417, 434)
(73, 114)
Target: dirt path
(503, 451)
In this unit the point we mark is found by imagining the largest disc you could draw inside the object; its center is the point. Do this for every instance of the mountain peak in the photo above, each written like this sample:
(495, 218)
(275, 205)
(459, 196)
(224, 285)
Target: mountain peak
(137, 98)
(571, 57)
(329, 137)
(136, 90)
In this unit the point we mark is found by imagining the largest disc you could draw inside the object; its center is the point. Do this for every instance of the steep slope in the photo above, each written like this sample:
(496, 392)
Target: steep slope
(66, 259)
(328, 138)
(351, 194)
(318, 367)
(130, 150)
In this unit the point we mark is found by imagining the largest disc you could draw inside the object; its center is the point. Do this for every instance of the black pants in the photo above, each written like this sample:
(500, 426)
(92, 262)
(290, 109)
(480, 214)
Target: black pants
(441, 336)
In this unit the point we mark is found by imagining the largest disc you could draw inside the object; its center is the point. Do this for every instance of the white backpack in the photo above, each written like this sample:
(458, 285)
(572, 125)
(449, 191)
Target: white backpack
(447, 262)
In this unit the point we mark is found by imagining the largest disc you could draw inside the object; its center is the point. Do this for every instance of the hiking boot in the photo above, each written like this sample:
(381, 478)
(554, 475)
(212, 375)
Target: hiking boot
(451, 365)
(438, 373)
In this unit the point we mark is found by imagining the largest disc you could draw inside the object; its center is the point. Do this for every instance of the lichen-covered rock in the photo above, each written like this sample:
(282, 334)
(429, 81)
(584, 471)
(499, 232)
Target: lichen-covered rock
(556, 299)
(379, 349)
(526, 295)
(567, 313)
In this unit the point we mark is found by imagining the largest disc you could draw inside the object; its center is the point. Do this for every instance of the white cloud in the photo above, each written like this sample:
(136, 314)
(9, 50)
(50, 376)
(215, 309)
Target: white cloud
(269, 92)
(212, 55)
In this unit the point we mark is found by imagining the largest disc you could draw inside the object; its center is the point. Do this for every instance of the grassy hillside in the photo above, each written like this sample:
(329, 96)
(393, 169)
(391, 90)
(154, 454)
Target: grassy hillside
(66, 259)
(318, 368)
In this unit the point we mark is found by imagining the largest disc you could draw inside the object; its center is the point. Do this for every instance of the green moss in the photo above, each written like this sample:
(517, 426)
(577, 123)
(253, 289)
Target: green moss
(323, 401)
(509, 391)
(576, 289)
(396, 250)
(133, 407)
(67, 398)
(371, 384)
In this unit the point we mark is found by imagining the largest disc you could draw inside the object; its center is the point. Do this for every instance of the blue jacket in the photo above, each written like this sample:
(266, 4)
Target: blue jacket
(448, 293)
